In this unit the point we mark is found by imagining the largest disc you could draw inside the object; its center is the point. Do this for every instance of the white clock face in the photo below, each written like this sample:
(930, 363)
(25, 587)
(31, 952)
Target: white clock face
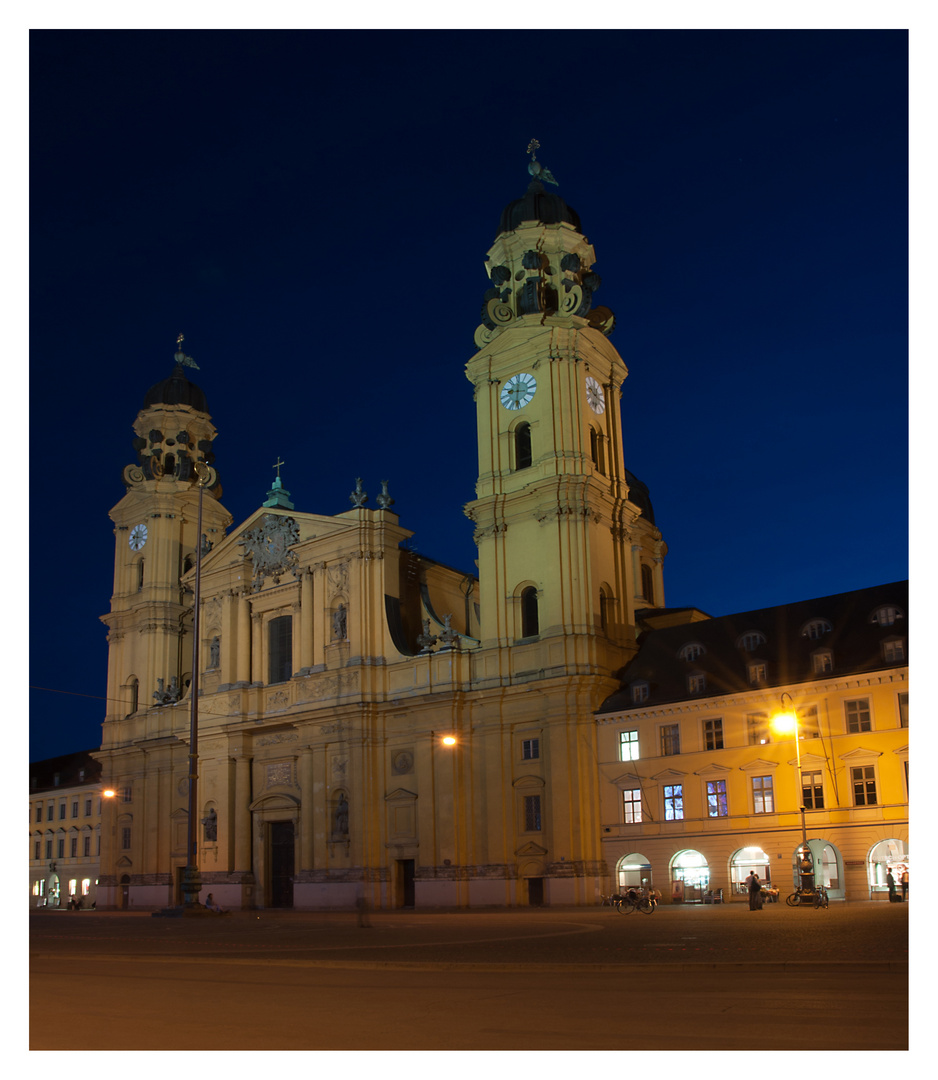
(595, 397)
(138, 537)
(518, 391)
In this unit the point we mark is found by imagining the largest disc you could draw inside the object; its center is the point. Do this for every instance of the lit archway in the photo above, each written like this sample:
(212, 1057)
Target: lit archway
(690, 876)
(887, 855)
(742, 864)
(633, 872)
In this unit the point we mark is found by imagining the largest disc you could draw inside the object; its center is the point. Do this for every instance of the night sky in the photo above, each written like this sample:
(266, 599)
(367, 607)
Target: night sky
(312, 210)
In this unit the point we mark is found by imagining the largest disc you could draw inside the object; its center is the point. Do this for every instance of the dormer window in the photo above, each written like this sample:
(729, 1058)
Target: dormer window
(823, 661)
(750, 641)
(639, 692)
(816, 628)
(696, 683)
(894, 650)
(758, 673)
(691, 651)
(886, 615)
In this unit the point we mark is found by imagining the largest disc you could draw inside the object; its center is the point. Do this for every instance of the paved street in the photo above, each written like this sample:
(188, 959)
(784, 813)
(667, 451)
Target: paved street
(685, 978)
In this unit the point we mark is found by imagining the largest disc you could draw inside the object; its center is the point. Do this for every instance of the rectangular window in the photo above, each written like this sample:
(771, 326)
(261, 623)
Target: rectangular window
(74, 808)
(716, 798)
(125, 839)
(60, 849)
(632, 806)
(39, 813)
(280, 651)
(858, 715)
(61, 811)
(639, 692)
(757, 726)
(673, 802)
(50, 812)
(127, 794)
(37, 849)
(864, 785)
(532, 813)
(530, 749)
(87, 808)
(763, 796)
(713, 734)
(671, 739)
(823, 663)
(903, 712)
(893, 652)
(48, 849)
(808, 722)
(628, 746)
(757, 674)
(86, 846)
(73, 847)
(812, 790)
(696, 684)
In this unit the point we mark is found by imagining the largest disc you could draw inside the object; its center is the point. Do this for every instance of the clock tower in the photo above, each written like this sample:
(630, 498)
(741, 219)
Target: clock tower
(561, 545)
(155, 524)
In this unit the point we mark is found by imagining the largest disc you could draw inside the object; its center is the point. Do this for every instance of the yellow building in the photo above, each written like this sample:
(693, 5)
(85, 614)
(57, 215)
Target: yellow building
(699, 787)
(373, 725)
(64, 830)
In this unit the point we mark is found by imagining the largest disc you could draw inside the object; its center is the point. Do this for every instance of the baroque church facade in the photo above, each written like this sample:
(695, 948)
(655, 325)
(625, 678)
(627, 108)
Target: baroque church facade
(374, 726)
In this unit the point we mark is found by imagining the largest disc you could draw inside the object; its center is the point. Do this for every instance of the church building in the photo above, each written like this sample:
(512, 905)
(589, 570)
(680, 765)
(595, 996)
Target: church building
(374, 726)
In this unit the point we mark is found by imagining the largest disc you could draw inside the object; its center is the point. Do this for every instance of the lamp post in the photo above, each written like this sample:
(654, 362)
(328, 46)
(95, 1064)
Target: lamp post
(191, 880)
(787, 721)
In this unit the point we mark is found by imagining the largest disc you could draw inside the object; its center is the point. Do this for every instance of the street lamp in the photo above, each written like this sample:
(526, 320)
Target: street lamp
(786, 722)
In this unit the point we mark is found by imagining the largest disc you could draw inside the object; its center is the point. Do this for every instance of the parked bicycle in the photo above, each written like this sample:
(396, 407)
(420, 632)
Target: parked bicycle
(817, 897)
(634, 900)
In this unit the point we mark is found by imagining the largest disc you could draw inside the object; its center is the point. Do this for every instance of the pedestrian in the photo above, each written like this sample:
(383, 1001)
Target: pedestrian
(211, 905)
(890, 883)
(904, 882)
(755, 892)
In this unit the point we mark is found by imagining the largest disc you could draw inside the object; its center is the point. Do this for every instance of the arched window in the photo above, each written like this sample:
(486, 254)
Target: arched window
(648, 586)
(604, 608)
(597, 451)
(529, 621)
(280, 648)
(134, 687)
(139, 575)
(523, 456)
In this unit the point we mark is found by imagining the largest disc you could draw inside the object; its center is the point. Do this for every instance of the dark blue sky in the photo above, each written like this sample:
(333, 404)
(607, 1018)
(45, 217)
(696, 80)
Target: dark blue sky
(312, 210)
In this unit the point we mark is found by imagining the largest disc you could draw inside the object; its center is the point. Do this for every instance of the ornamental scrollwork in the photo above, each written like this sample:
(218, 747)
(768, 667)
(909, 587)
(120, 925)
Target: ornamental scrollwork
(268, 546)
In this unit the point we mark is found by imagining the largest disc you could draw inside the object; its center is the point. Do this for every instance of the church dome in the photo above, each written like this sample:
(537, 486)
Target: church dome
(639, 494)
(176, 390)
(538, 205)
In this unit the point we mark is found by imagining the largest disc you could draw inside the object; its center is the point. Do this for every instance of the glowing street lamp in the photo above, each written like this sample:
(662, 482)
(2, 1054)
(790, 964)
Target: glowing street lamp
(449, 740)
(786, 723)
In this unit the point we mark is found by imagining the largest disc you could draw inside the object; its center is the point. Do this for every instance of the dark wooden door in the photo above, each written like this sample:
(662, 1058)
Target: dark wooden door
(281, 864)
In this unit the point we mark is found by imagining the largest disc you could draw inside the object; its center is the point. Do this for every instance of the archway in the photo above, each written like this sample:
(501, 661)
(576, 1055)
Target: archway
(690, 876)
(742, 864)
(887, 854)
(633, 872)
(828, 867)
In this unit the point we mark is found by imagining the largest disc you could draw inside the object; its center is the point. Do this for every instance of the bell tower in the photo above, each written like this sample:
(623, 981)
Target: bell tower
(556, 531)
(155, 524)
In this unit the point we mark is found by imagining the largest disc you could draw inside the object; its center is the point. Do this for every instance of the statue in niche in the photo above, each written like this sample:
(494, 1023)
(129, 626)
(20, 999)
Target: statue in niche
(214, 652)
(340, 623)
(210, 825)
(340, 822)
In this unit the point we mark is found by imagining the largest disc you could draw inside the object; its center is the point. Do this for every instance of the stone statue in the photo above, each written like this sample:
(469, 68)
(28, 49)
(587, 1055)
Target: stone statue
(340, 825)
(426, 640)
(214, 651)
(170, 696)
(358, 497)
(210, 824)
(450, 637)
(340, 623)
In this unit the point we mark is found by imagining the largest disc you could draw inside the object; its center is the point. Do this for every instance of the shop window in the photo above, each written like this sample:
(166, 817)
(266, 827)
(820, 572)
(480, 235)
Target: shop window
(763, 795)
(628, 746)
(716, 798)
(632, 806)
(673, 802)
(280, 649)
(713, 733)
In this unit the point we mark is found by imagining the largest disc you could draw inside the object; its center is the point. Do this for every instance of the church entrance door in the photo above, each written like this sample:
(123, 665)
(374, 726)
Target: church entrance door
(282, 847)
(405, 883)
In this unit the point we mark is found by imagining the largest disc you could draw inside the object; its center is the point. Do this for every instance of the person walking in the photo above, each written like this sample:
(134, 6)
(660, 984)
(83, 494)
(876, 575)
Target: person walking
(904, 883)
(755, 892)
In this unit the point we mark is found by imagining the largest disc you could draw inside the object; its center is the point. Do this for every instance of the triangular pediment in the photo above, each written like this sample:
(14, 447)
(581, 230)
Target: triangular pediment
(669, 774)
(400, 795)
(861, 753)
(530, 848)
(813, 761)
(712, 770)
(759, 765)
(627, 778)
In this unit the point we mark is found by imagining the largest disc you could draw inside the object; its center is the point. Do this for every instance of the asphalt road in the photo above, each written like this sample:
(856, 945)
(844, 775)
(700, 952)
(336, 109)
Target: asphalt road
(683, 978)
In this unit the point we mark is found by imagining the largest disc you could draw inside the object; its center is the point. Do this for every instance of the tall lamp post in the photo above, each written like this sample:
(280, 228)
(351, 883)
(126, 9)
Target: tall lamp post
(787, 721)
(191, 879)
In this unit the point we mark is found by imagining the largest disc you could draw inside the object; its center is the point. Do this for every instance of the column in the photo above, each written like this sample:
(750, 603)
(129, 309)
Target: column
(242, 814)
(243, 673)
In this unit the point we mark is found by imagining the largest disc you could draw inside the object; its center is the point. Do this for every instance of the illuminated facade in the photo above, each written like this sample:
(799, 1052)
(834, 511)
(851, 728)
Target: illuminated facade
(699, 788)
(333, 661)
(64, 830)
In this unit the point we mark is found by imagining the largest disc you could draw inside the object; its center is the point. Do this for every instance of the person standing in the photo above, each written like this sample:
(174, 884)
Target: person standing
(755, 892)
(890, 883)
(904, 883)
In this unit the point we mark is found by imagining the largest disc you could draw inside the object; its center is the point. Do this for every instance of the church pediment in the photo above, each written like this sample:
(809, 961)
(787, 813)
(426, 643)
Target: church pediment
(400, 795)
(530, 848)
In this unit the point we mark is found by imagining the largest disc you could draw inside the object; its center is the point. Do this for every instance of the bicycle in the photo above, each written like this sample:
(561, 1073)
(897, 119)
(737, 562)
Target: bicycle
(633, 901)
(821, 899)
(817, 897)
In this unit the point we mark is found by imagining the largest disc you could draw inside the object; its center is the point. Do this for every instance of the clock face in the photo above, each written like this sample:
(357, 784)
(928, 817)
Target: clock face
(518, 391)
(138, 537)
(595, 397)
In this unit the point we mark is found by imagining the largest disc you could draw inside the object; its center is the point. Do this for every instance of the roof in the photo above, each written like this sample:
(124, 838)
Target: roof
(778, 636)
(67, 768)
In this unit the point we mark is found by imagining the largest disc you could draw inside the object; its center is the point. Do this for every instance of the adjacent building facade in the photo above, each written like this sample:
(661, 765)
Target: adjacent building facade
(64, 830)
(698, 786)
(372, 724)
